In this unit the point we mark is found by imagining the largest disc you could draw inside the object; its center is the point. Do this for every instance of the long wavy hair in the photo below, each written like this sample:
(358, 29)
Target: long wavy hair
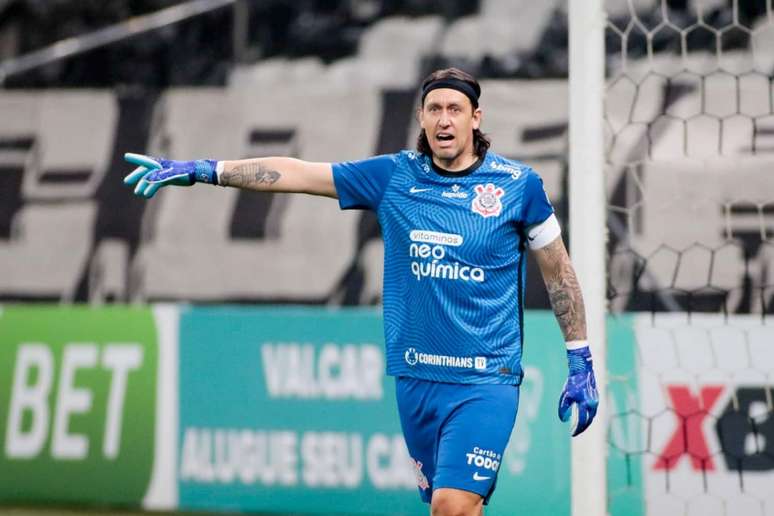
(481, 142)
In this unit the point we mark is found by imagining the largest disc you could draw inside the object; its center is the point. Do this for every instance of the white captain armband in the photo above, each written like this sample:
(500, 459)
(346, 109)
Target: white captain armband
(540, 235)
(219, 170)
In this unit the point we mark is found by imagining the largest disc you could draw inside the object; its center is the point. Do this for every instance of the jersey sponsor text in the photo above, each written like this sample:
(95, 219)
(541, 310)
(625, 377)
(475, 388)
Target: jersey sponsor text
(413, 357)
(432, 265)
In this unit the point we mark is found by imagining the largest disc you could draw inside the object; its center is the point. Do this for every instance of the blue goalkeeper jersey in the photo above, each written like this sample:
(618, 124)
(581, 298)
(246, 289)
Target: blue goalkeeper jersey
(454, 261)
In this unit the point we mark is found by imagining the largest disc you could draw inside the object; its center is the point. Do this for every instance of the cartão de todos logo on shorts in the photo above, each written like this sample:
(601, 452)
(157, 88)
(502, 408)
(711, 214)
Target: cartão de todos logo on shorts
(487, 201)
(428, 250)
(486, 459)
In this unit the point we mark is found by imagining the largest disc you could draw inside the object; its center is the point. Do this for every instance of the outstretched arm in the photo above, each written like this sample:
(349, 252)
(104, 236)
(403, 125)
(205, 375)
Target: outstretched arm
(580, 389)
(278, 175)
(275, 174)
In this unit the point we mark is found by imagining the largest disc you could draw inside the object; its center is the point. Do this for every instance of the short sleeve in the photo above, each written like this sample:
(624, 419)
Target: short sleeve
(361, 184)
(537, 208)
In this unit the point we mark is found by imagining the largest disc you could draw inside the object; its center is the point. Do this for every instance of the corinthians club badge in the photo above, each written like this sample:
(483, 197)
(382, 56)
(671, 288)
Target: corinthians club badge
(487, 201)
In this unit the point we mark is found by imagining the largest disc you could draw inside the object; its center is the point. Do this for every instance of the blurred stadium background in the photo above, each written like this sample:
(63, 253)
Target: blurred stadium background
(202, 287)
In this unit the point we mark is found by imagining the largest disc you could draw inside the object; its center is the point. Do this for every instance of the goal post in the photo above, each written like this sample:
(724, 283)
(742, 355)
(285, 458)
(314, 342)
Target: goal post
(588, 235)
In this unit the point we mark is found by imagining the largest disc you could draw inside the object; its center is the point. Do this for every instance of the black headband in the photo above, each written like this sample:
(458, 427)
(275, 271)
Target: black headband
(455, 84)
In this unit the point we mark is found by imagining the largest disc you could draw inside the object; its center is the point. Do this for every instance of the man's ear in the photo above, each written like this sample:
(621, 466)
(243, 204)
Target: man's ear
(419, 117)
(477, 117)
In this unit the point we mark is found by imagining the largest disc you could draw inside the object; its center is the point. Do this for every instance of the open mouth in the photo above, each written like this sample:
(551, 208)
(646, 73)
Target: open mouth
(444, 137)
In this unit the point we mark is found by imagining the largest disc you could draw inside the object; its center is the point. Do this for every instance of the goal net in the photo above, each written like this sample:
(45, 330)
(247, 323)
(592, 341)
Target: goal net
(688, 131)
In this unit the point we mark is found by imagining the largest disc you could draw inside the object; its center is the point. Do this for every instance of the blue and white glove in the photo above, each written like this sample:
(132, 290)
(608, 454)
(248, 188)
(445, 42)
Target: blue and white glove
(153, 173)
(580, 390)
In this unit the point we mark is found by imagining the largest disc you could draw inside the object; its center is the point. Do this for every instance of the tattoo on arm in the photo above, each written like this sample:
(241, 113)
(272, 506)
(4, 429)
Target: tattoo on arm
(250, 175)
(564, 293)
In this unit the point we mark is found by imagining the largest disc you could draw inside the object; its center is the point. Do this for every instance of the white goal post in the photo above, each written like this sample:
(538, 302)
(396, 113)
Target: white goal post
(588, 235)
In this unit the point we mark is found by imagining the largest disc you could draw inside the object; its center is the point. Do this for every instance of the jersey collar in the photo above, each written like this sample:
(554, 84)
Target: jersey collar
(457, 173)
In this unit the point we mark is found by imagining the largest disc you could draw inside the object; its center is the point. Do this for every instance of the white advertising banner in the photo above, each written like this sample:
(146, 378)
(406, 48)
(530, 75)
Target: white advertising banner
(706, 408)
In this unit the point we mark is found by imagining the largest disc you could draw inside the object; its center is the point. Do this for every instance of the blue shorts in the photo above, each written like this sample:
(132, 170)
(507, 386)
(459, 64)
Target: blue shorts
(456, 434)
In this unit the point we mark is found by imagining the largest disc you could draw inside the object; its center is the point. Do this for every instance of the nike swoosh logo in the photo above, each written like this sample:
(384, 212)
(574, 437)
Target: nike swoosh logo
(414, 189)
(476, 476)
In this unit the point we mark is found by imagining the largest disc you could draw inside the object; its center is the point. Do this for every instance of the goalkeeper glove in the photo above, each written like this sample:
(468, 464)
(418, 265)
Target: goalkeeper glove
(579, 389)
(153, 173)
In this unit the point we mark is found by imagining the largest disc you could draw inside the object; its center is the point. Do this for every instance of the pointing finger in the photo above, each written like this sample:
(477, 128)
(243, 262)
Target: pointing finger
(141, 160)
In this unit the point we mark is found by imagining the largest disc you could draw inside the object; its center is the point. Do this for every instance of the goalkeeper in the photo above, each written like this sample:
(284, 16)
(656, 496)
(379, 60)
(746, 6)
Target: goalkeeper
(456, 221)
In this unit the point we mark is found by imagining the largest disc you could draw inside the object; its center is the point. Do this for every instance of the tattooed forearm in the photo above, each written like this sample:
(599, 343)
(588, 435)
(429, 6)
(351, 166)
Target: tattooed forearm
(250, 175)
(564, 292)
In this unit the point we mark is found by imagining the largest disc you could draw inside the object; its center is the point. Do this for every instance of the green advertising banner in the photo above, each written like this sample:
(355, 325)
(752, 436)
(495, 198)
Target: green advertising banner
(289, 410)
(77, 404)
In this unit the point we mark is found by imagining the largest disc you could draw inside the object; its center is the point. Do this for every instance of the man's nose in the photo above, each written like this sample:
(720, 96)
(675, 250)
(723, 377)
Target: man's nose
(444, 120)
